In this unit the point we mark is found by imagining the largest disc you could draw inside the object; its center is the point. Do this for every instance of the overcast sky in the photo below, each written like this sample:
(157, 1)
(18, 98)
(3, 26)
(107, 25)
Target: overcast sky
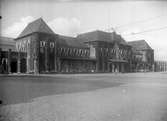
(71, 17)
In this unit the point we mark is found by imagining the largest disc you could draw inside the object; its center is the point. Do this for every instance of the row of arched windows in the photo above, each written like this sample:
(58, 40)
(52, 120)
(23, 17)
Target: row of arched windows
(112, 51)
(73, 52)
(22, 45)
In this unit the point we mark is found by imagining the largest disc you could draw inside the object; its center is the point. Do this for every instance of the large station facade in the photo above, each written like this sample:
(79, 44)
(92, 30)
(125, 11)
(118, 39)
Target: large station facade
(39, 50)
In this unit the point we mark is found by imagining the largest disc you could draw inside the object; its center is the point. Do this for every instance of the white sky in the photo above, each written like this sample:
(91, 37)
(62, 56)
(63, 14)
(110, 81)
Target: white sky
(71, 17)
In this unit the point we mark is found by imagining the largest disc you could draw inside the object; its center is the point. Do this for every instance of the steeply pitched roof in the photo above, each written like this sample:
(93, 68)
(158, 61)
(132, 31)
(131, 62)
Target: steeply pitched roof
(70, 42)
(7, 43)
(36, 26)
(140, 45)
(101, 36)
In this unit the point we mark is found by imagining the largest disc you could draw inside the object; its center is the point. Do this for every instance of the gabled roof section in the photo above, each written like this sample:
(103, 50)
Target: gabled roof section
(36, 26)
(66, 41)
(140, 45)
(101, 36)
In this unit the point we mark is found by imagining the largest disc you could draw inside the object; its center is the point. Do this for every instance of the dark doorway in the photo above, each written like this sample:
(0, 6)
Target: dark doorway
(4, 66)
(13, 66)
(23, 65)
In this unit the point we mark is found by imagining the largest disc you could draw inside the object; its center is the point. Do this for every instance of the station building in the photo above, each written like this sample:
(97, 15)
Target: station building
(39, 50)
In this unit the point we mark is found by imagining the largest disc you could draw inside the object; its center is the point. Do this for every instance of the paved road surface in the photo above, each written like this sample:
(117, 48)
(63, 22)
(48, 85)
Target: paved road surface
(85, 97)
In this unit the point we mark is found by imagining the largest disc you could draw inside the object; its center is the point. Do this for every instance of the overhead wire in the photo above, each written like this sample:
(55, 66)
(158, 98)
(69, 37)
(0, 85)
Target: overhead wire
(149, 30)
(137, 22)
(141, 21)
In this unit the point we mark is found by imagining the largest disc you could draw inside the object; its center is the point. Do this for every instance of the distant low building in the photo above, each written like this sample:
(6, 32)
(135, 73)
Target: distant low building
(39, 50)
(160, 66)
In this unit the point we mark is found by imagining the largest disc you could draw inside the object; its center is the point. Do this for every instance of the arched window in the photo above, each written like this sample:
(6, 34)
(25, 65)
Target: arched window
(77, 52)
(65, 51)
(42, 43)
(61, 51)
(72, 51)
(85, 52)
(51, 44)
(80, 52)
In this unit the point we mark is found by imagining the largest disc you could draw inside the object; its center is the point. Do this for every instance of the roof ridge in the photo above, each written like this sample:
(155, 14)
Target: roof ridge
(38, 25)
(142, 44)
(40, 19)
(97, 30)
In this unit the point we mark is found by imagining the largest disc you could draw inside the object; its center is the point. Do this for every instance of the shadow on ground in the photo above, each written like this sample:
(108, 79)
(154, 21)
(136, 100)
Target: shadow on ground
(18, 89)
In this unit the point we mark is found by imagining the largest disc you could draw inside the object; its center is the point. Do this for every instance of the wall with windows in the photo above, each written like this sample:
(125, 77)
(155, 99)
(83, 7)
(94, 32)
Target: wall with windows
(73, 52)
(106, 52)
(143, 60)
(47, 52)
(29, 46)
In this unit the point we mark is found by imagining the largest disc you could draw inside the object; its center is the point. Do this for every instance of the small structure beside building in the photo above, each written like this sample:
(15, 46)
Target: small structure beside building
(160, 66)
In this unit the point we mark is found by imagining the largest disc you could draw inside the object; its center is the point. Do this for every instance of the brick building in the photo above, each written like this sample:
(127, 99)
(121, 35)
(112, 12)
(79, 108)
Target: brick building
(143, 56)
(39, 50)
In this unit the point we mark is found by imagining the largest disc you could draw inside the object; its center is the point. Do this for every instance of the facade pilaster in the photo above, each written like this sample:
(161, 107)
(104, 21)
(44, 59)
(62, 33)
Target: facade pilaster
(18, 63)
(9, 61)
(46, 57)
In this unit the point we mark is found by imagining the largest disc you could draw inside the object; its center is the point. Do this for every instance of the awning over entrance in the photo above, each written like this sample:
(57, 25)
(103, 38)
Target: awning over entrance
(117, 60)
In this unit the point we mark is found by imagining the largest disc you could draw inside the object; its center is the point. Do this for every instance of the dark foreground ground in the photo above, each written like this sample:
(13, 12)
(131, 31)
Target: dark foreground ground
(85, 97)
(22, 88)
(18, 89)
